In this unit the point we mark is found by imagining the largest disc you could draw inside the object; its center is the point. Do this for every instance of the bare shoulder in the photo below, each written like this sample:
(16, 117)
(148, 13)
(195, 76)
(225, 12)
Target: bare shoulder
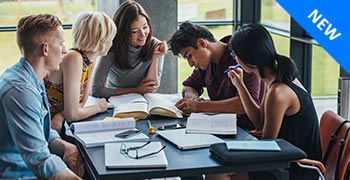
(72, 57)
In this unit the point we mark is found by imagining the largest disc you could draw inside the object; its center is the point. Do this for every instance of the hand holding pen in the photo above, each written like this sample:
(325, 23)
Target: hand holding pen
(235, 76)
(232, 68)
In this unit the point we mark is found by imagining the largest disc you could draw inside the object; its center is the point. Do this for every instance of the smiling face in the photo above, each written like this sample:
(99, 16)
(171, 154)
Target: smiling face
(139, 31)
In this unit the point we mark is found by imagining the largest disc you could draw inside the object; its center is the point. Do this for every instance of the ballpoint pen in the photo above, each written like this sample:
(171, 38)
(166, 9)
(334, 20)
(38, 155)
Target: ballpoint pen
(232, 68)
(151, 129)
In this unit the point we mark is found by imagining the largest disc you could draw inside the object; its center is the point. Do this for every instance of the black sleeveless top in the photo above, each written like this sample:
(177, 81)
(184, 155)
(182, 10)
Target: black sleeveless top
(302, 130)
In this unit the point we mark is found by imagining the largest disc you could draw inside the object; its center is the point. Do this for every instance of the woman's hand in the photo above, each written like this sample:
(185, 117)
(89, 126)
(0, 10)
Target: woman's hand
(236, 76)
(101, 104)
(161, 49)
(147, 86)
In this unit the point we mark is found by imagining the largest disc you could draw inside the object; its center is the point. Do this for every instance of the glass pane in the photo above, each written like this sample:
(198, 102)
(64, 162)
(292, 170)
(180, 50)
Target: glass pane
(325, 73)
(9, 51)
(11, 11)
(281, 44)
(273, 14)
(184, 70)
(195, 10)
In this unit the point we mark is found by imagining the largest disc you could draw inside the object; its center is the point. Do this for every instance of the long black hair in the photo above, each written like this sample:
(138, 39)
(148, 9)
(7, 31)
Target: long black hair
(254, 46)
(187, 36)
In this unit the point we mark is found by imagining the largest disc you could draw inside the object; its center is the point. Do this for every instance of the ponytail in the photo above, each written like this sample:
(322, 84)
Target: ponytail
(286, 70)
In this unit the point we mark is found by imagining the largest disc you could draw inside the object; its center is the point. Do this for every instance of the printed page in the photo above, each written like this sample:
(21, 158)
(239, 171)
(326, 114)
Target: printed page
(93, 139)
(103, 125)
(161, 106)
(121, 100)
(212, 124)
(137, 110)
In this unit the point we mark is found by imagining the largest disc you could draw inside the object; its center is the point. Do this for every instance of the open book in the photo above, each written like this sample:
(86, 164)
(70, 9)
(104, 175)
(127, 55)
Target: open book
(141, 106)
(212, 123)
(97, 133)
(115, 159)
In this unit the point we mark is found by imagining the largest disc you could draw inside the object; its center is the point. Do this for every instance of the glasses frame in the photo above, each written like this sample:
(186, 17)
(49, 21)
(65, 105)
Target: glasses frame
(124, 150)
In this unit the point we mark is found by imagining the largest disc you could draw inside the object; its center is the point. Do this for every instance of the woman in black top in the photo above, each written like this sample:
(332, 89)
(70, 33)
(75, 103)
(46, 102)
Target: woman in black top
(287, 110)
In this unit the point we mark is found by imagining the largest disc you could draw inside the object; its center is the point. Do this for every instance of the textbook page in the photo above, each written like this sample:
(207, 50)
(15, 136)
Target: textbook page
(91, 126)
(161, 106)
(123, 99)
(141, 106)
(115, 160)
(97, 133)
(225, 124)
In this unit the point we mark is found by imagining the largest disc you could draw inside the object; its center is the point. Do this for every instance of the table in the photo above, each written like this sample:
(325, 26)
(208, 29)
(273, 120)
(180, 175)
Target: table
(181, 163)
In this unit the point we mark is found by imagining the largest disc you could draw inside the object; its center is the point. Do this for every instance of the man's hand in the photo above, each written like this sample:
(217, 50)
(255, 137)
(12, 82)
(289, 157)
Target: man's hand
(57, 122)
(189, 106)
(73, 159)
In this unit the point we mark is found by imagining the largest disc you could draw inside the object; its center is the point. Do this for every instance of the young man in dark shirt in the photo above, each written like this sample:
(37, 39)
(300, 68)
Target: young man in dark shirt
(210, 58)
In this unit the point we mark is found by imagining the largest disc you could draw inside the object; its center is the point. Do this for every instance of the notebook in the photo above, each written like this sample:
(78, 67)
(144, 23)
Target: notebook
(115, 160)
(265, 145)
(185, 141)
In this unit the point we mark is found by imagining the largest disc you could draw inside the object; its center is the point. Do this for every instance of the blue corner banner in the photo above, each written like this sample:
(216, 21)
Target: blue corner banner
(326, 21)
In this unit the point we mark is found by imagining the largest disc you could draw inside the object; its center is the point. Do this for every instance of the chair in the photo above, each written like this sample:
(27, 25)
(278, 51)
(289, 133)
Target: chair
(335, 143)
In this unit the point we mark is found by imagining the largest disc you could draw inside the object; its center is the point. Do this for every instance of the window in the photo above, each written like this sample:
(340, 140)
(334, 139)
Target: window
(216, 15)
(11, 11)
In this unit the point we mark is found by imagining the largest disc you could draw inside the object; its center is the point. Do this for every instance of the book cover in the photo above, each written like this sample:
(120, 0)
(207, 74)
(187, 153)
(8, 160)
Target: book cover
(114, 159)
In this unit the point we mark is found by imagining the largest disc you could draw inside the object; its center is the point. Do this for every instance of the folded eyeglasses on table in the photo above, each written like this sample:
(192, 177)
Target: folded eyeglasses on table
(125, 150)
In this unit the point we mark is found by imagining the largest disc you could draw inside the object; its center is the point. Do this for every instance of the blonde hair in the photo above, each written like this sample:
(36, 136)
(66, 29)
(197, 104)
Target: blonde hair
(91, 30)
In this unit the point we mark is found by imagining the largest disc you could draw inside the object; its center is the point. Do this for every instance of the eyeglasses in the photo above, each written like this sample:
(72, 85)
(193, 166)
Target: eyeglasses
(125, 150)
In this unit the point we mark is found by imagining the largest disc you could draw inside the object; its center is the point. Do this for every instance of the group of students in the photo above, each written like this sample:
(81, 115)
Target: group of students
(50, 85)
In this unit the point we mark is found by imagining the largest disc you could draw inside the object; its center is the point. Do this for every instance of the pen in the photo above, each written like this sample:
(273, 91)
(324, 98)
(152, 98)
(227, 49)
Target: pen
(232, 68)
(151, 129)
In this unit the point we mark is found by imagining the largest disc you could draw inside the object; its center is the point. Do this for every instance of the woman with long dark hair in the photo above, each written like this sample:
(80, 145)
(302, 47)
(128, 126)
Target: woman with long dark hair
(287, 110)
(135, 62)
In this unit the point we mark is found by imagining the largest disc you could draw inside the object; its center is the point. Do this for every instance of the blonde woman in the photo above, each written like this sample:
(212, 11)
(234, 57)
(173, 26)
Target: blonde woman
(67, 89)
